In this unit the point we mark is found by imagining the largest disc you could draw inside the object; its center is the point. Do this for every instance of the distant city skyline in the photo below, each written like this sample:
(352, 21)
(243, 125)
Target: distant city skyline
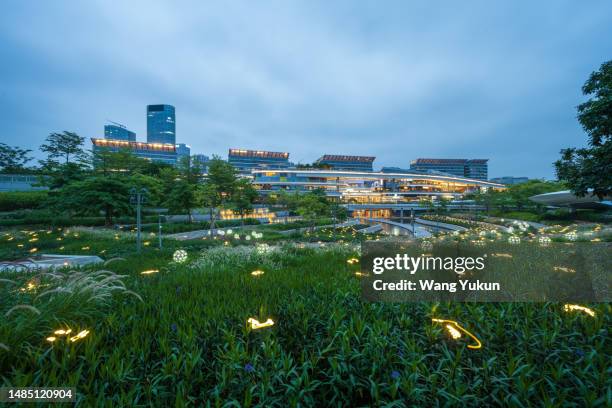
(399, 81)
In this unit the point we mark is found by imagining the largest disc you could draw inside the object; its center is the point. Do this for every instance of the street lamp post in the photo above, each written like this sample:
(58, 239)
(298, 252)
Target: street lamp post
(159, 231)
(138, 196)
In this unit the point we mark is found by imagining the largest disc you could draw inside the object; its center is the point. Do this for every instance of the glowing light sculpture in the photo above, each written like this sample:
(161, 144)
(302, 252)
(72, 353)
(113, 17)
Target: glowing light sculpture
(584, 309)
(180, 256)
(514, 240)
(544, 241)
(255, 324)
(80, 335)
(454, 329)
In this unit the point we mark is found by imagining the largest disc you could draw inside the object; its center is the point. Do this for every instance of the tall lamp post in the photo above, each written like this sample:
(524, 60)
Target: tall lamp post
(138, 196)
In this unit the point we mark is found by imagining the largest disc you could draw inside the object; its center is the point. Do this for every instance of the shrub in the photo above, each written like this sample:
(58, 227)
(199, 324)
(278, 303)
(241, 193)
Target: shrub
(21, 200)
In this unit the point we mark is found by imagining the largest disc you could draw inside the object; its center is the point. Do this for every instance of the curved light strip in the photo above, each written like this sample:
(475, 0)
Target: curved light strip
(452, 327)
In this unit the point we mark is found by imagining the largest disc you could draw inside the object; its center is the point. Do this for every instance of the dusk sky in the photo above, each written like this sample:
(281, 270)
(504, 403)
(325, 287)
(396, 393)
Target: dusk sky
(397, 80)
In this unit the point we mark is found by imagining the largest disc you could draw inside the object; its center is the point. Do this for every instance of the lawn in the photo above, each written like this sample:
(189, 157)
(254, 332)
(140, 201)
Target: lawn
(178, 335)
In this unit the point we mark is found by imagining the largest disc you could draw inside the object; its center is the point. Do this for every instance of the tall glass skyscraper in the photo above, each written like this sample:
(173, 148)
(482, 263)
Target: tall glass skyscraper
(161, 124)
(116, 132)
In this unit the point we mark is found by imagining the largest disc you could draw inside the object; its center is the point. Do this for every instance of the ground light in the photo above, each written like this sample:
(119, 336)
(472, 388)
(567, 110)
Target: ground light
(584, 309)
(180, 256)
(149, 271)
(255, 324)
(80, 335)
(454, 330)
(257, 273)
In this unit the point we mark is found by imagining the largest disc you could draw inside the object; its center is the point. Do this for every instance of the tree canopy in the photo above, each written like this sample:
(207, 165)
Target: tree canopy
(13, 159)
(589, 168)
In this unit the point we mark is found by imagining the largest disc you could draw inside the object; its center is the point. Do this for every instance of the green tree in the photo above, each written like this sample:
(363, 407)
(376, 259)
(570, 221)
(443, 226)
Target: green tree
(184, 196)
(94, 195)
(13, 159)
(313, 206)
(218, 187)
(591, 167)
(338, 212)
(426, 202)
(243, 197)
(442, 206)
(288, 202)
(183, 186)
(65, 147)
(107, 162)
(66, 159)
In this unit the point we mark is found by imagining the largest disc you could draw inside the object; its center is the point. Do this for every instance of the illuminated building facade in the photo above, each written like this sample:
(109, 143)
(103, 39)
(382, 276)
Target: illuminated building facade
(182, 151)
(161, 124)
(342, 162)
(247, 160)
(470, 168)
(369, 187)
(509, 180)
(117, 132)
(165, 153)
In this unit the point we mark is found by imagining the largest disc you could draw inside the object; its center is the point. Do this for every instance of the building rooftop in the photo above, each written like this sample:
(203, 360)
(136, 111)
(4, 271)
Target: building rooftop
(343, 158)
(258, 153)
(448, 161)
(133, 145)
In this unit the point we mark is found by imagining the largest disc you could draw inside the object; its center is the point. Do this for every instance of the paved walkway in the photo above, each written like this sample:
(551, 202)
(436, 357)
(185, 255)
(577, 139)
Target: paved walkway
(419, 232)
(441, 225)
(198, 234)
(304, 229)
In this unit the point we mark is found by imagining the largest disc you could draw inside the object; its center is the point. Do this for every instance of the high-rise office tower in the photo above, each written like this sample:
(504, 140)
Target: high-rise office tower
(161, 124)
(118, 132)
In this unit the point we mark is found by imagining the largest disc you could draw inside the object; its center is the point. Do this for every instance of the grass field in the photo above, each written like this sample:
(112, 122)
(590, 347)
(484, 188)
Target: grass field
(178, 335)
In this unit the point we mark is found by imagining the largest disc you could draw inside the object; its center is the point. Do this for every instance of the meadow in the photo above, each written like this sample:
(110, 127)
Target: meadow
(163, 333)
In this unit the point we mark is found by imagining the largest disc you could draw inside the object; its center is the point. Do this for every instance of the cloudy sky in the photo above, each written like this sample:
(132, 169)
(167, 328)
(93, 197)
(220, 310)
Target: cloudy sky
(394, 79)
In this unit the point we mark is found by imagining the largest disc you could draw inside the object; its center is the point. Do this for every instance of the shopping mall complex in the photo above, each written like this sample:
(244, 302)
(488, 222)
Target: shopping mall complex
(373, 190)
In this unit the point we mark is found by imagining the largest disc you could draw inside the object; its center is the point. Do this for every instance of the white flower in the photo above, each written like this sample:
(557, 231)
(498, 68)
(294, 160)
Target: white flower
(572, 236)
(248, 237)
(229, 231)
(236, 236)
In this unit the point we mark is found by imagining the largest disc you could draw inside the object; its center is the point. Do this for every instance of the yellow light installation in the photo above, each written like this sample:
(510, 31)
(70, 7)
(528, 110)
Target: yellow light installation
(455, 329)
(149, 271)
(352, 261)
(51, 339)
(257, 273)
(502, 255)
(62, 332)
(255, 324)
(80, 335)
(455, 334)
(584, 309)
(85, 248)
(564, 269)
